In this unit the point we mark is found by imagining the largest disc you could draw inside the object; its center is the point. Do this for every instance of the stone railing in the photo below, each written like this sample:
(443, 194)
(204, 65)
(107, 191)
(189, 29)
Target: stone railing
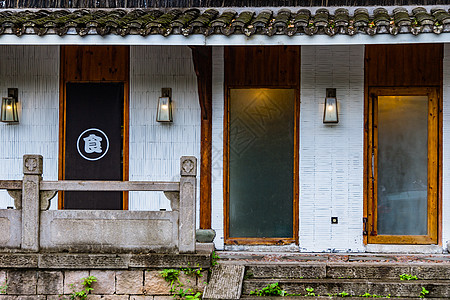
(31, 227)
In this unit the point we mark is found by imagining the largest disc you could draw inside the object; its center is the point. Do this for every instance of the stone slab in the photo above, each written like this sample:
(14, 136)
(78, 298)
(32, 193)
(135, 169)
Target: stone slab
(15, 260)
(369, 271)
(155, 284)
(129, 282)
(50, 283)
(431, 271)
(396, 288)
(170, 260)
(83, 261)
(73, 280)
(226, 282)
(22, 282)
(11, 228)
(105, 230)
(107, 297)
(106, 282)
(287, 271)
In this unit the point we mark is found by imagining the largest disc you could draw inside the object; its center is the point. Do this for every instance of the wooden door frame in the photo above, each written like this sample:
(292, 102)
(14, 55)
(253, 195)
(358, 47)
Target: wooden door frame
(226, 182)
(64, 79)
(434, 170)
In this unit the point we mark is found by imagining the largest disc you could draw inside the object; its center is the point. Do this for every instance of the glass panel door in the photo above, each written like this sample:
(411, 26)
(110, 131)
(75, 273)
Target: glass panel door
(261, 163)
(403, 165)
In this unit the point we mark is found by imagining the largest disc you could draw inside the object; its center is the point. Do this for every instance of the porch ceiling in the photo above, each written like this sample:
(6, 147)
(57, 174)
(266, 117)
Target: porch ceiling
(293, 26)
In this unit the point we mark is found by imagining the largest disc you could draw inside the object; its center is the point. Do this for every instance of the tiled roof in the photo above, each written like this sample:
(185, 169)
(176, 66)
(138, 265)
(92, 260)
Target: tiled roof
(211, 21)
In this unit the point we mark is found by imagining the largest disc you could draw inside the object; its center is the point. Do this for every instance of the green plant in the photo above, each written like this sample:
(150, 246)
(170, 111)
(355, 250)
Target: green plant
(366, 295)
(310, 292)
(248, 275)
(86, 283)
(3, 288)
(171, 275)
(214, 258)
(343, 294)
(272, 289)
(424, 292)
(193, 271)
(407, 277)
(187, 294)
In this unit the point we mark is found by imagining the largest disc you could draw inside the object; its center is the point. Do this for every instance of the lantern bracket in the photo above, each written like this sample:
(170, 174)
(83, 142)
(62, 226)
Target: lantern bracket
(13, 93)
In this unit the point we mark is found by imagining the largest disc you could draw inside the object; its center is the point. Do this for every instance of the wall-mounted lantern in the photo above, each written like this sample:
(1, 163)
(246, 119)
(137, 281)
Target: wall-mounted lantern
(10, 113)
(330, 110)
(164, 110)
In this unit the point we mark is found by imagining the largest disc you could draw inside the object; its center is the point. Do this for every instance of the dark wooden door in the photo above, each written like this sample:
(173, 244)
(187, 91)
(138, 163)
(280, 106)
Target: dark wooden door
(94, 142)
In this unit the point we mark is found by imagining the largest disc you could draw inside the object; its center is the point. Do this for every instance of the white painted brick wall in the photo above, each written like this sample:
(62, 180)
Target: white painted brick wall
(156, 148)
(446, 147)
(217, 146)
(331, 156)
(34, 70)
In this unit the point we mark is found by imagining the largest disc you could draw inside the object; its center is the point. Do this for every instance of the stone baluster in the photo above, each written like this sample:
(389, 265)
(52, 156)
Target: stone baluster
(32, 176)
(186, 232)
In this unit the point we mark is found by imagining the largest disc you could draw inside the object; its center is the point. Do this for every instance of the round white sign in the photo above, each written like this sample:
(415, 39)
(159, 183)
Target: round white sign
(92, 144)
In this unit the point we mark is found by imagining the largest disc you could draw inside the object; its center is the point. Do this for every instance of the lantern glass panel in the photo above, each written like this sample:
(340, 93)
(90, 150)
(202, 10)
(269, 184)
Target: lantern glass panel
(9, 110)
(164, 113)
(330, 111)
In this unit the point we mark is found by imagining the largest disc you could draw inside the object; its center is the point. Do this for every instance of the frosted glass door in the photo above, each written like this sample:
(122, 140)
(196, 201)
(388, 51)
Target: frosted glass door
(261, 163)
(402, 165)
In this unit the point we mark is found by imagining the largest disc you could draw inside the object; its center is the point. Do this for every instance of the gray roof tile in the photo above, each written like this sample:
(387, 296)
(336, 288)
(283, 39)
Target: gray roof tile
(211, 21)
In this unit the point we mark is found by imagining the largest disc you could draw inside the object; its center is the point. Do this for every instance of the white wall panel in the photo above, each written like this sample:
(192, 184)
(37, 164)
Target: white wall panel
(34, 70)
(217, 147)
(446, 149)
(156, 148)
(331, 156)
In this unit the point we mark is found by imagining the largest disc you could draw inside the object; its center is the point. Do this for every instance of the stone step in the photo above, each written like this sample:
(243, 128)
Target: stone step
(225, 282)
(348, 270)
(355, 287)
(327, 298)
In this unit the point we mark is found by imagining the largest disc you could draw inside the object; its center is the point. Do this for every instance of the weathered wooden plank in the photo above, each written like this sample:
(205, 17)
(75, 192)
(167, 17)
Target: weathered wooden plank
(76, 185)
(226, 282)
(10, 184)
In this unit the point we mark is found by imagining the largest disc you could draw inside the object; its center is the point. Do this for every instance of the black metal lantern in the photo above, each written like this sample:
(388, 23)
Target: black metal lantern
(9, 110)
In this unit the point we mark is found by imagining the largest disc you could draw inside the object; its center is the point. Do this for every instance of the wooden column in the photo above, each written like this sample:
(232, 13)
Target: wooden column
(202, 57)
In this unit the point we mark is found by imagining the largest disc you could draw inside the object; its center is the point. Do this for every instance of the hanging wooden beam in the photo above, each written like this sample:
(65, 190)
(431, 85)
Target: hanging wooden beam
(202, 57)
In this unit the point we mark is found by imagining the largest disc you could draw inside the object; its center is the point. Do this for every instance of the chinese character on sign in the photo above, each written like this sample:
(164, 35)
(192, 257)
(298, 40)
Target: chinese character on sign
(92, 144)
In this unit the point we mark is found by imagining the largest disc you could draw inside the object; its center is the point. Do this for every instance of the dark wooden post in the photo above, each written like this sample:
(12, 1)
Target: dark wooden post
(202, 57)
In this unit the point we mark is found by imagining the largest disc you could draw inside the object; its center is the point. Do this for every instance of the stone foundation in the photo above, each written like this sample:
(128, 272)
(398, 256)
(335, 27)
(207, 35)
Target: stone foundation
(111, 284)
(119, 276)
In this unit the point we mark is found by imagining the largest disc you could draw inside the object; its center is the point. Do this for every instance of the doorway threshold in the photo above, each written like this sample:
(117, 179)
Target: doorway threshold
(263, 248)
(420, 249)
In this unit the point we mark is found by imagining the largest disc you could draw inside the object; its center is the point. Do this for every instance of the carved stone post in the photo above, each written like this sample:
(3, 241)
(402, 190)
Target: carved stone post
(186, 235)
(32, 176)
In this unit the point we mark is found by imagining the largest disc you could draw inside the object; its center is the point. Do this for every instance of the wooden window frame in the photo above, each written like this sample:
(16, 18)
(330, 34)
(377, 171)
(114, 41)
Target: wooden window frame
(434, 170)
(226, 158)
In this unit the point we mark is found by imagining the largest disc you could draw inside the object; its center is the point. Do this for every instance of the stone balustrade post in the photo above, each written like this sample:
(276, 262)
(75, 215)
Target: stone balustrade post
(32, 176)
(186, 232)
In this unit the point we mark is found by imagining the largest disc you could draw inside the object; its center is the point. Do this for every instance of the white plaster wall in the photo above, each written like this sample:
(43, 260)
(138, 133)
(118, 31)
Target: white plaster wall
(217, 146)
(156, 148)
(34, 70)
(331, 156)
(445, 149)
